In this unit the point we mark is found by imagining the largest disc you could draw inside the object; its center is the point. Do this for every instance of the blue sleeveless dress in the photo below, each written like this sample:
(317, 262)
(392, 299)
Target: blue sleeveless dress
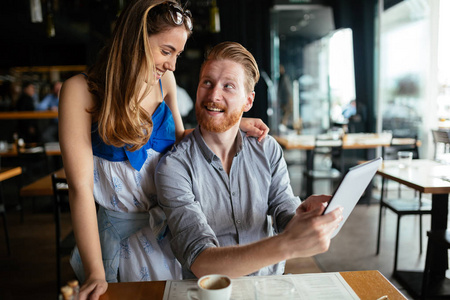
(125, 191)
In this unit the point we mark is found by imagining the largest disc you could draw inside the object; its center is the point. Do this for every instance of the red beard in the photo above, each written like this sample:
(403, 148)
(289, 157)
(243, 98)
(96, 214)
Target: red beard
(212, 124)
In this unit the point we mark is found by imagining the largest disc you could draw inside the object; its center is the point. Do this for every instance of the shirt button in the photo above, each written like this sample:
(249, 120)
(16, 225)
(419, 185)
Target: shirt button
(233, 193)
(220, 168)
(238, 221)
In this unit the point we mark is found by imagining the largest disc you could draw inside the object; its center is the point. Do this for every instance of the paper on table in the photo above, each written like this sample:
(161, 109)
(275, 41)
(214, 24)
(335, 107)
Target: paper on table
(308, 286)
(52, 146)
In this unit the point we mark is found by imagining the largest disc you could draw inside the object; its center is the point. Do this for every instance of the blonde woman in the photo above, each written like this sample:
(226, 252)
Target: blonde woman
(115, 123)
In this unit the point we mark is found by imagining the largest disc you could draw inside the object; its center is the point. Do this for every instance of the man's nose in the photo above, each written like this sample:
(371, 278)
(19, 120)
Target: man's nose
(215, 93)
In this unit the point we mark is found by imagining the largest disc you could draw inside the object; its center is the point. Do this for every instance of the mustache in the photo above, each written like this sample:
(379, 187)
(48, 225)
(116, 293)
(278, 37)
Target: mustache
(213, 105)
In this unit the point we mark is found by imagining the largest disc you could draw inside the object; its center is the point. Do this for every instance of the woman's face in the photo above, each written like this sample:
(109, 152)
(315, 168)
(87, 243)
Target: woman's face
(166, 47)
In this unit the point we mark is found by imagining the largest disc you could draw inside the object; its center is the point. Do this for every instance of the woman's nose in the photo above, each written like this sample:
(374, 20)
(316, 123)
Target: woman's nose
(170, 64)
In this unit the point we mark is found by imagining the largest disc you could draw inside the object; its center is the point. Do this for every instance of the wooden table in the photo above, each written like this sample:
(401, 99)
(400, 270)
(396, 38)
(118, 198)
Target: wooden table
(22, 115)
(429, 177)
(350, 141)
(9, 172)
(51, 149)
(42, 186)
(366, 284)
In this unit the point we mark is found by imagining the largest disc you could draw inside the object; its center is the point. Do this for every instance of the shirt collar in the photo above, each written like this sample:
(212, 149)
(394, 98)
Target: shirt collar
(207, 152)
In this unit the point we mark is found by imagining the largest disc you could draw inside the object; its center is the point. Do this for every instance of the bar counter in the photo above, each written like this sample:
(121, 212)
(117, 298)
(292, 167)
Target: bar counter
(22, 115)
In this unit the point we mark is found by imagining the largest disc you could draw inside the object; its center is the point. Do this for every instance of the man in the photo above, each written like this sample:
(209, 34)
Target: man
(285, 97)
(218, 186)
(28, 129)
(51, 102)
(349, 109)
(26, 100)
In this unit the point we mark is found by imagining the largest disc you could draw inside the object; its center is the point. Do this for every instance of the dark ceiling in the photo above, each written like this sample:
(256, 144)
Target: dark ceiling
(82, 26)
(306, 22)
(76, 24)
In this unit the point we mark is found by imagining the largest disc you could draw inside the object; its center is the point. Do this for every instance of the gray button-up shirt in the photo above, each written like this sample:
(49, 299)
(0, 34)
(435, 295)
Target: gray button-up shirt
(206, 207)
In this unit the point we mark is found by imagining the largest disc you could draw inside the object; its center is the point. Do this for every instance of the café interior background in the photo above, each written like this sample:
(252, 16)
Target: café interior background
(390, 56)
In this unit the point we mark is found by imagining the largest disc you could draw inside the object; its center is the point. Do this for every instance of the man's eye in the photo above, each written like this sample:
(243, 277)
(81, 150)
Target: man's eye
(228, 86)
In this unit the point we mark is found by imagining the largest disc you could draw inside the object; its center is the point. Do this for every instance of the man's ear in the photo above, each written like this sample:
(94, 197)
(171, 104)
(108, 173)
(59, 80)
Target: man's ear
(249, 103)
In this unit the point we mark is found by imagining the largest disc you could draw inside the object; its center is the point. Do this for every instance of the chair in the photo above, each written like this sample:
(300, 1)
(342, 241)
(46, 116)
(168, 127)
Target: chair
(5, 223)
(401, 206)
(34, 162)
(406, 144)
(391, 152)
(441, 138)
(5, 174)
(331, 166)
(60, 190)
(442, 238)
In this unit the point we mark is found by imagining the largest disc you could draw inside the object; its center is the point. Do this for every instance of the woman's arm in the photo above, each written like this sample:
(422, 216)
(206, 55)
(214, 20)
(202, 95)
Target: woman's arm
(170, 97)
(75, 140)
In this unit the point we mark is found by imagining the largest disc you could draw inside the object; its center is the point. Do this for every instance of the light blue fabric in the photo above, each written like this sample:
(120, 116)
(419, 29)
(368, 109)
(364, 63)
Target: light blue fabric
(49, 101)
(113, 227)
(208, 207)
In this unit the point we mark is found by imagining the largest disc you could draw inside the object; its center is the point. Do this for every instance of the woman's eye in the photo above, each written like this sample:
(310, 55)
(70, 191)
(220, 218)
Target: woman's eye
(165, 52)
(228, 86)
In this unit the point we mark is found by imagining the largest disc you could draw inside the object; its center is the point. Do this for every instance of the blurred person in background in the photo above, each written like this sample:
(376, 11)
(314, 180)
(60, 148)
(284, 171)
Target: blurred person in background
(28, 129)
(51, 102)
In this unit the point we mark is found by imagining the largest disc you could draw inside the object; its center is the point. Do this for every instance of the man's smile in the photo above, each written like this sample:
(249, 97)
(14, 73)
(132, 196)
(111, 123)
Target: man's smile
(213, 107)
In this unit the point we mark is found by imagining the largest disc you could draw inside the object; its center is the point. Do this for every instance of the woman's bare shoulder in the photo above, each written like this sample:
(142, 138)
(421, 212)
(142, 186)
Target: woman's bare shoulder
(168, 80)
(76, 87)
(76, 82)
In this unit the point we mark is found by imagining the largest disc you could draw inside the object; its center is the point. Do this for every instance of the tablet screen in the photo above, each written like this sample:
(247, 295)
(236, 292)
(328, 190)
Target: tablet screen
(351, 188)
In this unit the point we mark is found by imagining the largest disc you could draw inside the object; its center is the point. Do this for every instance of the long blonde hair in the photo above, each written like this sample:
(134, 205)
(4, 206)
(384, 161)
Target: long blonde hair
(124, 66)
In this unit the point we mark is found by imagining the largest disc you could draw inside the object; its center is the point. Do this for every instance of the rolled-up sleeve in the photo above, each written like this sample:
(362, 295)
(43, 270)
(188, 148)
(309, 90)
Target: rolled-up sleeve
(188, 225)
(282, 202)
(208, 207)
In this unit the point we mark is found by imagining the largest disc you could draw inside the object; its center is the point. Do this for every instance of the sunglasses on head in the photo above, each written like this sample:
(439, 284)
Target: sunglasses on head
(179, 15)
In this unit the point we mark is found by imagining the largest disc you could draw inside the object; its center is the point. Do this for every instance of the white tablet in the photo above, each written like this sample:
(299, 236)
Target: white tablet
(351, 188)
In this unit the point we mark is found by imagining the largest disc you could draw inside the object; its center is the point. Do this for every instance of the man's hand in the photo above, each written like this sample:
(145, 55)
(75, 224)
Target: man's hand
(314, 202)
(309, 232)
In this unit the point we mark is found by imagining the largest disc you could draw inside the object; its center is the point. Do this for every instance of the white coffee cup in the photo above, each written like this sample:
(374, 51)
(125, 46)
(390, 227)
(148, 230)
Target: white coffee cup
(211, 287)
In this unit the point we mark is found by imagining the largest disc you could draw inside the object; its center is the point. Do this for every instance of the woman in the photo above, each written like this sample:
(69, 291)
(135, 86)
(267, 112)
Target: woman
(115, 123)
